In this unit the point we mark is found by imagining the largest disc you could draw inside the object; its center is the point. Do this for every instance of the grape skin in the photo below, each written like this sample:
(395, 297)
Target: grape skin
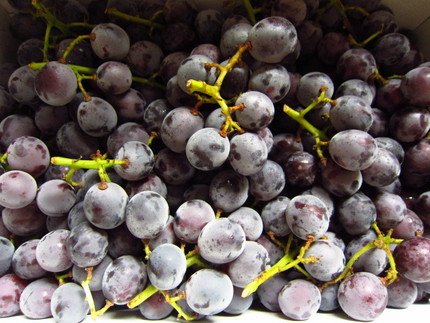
(17, 189)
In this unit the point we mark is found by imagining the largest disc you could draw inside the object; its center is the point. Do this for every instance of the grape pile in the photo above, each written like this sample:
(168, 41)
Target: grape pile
(194, 158)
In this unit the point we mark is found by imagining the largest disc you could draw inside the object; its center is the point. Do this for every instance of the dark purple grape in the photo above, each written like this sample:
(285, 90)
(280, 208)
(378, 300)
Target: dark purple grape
(356, 63)
(110, 42)
(415, 85)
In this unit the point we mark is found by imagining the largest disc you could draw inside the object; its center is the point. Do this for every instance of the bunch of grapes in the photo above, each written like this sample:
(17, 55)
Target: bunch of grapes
(194, 158)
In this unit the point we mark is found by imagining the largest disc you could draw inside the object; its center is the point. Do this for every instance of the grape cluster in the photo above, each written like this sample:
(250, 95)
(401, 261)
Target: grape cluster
(178, 156)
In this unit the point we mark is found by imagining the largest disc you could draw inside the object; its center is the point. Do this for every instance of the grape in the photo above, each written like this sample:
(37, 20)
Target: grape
(250, 221)
(301, 169)
(166, 266)
(402, 293)
(105, 207)
(207, 24)
(151, 182)
(412, 259)
(25, 221)
(309, 34)
(55, 197)
(329, 301)
(17, 189)
(7, 251)
(110, 41)
(272, 39)
(273, 216)
(356, 63)
(390, 209)
(221, 240)
(251, 262)
(414, 86)
(144, 58)
(69, 304)
(299, 299)
(353, 149)
(358, 88)
(170, 64)
(140, 160)
(55, 84)
(411, 226)
(331, 47)
(15, 126)
(206, 149)
(193, 68)
(268, 182)
(177, 37)
(123, 242)
(362, 296)
(113, 77)
(351, 112)
(330, 260)
(97, 117)
(269, 290)
(409, 124)
(258, 112)
(123, 279)
(248, 153)
(51, 251)
(383, 171)
(154, 114)
(35, 300)
(155, 307)
(228, 190)
(272, 80)
(146, 214)
(24, 262)
(389, 96)
(208, 291)
(232, 37)
(48, 119)
(307, 215)
(357, 213)
(284, 144)
(178, 126)
(190, 218)
(86, 245)
(12, 287)
(21, 85)
(29, 51)
(81, 54)
(28, 154)
(390, 48)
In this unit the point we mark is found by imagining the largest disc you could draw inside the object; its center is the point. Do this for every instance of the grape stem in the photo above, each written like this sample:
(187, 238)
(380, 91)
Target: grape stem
(291, 259)
(98, 161)
(213, 91)
(320, 137)
(146, 22)
(383, 242)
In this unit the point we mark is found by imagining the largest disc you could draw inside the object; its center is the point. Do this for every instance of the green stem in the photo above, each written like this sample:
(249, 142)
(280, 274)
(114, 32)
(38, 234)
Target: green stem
(142, 296)
(72, 45)
(149, 23)
(50, 19)
(46, 42)
(250, 11)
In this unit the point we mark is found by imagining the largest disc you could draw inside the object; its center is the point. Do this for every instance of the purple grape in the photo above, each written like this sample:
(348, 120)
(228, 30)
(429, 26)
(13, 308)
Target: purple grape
(35, 300)
(10, 294)
(17, 189)
(51, 251)
(412, 259)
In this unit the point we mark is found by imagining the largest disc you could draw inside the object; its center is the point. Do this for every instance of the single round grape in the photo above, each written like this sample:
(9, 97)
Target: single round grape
(124, 132)
(410, 227)
(24, 262)
(193, 68)
(301, 169)
(235, 35)
(269, 290)
(130, 105)
(69, 304)
(228, 190)
(330, 260)
(284, 144)
(252, 262)
(248, 153)
(356, 63)
(51, 251)
(35, 300)
(412, 259)
(81, 274)
(97, 117)
(105, 207)
(173, 168)
(14, 126)
(273, 216)
(358, 88)
(170, 64)
(250, 221)
(239, 304)
(144, 58)
(140, 160)
(409, 124)
(402, 293)
(146, 214)
(272, 80)
(390, 48)
(268, 182)
(258, 111)
(25, 221)
(299, 299)
(166, 266)
(113, 77)
(362, 296)
(56, 84)
(206, 149)
(221, 241)
(351, 112)
(151, 182)
(110, 41)
(340, 181)
(307, 216)
(17, 189)
(272, 39)
(55, 197)
(383, 171)
(48, 119)
(357, 213)
(329, 301)
(331, 46)
(190, 218)
(414, 86)
(353, 149)
(208, 291)
(390, 209)
(86, 245)
(311, 84)
(10, 293)
(123, 279)
(21, 85)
